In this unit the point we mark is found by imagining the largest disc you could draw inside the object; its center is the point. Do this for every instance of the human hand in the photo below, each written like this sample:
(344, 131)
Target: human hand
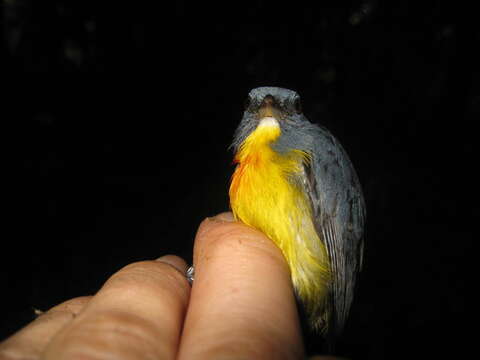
(241, 306)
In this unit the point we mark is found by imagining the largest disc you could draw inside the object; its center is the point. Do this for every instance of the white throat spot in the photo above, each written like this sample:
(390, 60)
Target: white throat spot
(268, 121)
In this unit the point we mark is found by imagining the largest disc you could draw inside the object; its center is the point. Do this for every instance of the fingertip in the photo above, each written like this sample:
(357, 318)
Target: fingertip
(214, 223)
(225, 232)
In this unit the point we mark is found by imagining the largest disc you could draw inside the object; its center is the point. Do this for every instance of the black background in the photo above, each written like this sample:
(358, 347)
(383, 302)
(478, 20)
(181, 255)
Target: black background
(122, 116)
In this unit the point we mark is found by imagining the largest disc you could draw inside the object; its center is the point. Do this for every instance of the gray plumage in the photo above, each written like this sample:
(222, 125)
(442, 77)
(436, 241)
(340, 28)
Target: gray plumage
(332, 186)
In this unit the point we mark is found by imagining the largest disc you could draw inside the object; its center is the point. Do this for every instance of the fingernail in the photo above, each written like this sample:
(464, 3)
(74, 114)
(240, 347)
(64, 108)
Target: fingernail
(177, 262)
(225, 216)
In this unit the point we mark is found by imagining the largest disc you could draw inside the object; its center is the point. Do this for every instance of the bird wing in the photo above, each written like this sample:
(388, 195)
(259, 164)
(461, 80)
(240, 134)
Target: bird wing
(339, 212)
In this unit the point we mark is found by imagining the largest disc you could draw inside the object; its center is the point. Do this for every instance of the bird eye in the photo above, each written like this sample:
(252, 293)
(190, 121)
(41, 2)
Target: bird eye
(298, 106)
(248, 102)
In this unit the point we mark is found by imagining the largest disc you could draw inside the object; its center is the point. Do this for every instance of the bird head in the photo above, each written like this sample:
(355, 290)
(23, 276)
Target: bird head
(269, 103)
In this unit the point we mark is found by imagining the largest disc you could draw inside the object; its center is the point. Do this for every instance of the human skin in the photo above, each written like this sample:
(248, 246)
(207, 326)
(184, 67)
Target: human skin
(241, 306)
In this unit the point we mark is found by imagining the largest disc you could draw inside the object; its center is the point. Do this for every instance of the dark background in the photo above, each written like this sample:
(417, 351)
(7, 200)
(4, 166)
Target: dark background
(122, 114)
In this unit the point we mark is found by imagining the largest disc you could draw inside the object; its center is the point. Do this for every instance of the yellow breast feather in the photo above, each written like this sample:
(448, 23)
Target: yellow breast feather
(267, 193)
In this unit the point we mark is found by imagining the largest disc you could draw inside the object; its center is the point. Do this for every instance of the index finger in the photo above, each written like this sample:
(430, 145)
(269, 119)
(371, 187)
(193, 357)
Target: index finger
(138, 313)
(242, 300)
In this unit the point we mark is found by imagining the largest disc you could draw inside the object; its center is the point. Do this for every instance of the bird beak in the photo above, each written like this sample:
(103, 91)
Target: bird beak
(268, 108)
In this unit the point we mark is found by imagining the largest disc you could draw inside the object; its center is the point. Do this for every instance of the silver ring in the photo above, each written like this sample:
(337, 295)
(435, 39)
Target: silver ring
(190, 274)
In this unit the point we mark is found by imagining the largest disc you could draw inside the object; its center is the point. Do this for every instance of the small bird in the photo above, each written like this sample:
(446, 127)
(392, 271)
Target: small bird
(294, 182)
